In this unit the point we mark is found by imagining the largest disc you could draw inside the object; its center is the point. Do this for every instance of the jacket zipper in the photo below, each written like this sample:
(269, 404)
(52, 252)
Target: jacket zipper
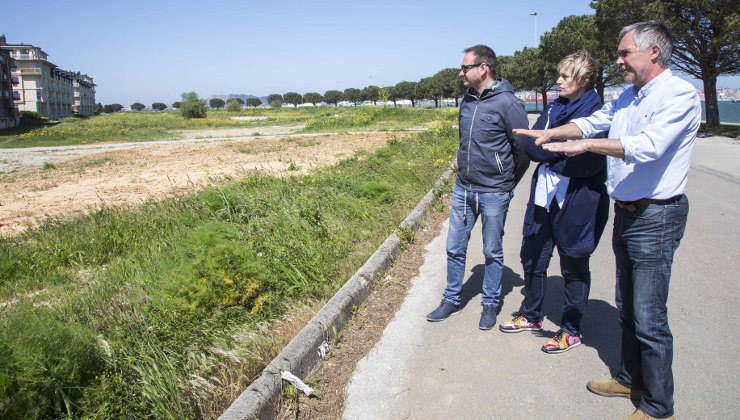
(470, 137)
(498, 161)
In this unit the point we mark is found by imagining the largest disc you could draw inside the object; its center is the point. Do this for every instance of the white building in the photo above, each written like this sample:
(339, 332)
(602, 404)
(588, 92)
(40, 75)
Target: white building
(44, 88)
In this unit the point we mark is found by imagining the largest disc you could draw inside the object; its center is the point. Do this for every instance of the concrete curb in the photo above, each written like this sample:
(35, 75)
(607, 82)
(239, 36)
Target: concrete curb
(260, 400)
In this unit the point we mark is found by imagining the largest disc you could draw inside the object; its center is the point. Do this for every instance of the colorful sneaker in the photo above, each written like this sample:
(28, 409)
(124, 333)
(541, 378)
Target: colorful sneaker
(518, 324)
(561, 342)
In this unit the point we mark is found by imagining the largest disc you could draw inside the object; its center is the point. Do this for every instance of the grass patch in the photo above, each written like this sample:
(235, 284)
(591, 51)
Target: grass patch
(148, 126)
(164, 310)
(725, 130)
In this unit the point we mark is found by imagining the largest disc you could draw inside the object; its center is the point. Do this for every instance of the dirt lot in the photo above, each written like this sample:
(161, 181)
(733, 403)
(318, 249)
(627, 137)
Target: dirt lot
(82, 179)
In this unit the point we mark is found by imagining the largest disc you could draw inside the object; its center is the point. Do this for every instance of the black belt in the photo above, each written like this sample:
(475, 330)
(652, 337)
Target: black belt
(631, 206)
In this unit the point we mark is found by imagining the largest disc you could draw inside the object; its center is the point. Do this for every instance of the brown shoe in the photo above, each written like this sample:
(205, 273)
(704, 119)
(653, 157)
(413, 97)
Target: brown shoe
(641, 415)
(612, 388)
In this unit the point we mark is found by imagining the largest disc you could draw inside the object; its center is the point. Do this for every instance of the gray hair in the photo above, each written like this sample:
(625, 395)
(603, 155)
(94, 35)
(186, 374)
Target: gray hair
(651, 33)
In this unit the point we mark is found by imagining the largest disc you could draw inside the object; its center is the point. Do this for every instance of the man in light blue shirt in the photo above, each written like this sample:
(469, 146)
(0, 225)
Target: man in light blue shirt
(652, 128)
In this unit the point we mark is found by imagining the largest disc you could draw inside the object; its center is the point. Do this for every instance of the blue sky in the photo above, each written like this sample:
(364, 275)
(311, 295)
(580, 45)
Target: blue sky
(152, 51)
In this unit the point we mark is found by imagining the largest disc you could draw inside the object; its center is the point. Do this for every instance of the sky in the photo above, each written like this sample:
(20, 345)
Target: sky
(153, 51)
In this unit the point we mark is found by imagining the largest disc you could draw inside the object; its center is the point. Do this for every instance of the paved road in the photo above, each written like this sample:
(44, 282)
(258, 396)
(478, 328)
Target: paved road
(451, 369)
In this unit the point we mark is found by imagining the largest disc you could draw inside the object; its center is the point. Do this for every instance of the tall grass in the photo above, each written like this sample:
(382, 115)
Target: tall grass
(163, 310)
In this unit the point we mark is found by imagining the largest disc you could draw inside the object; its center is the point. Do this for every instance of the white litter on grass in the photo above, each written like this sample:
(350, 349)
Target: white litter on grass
(297, 383)
(323, 349)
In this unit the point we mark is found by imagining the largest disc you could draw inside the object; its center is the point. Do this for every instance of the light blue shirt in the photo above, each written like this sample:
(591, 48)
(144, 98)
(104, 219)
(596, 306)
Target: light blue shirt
(657, 127)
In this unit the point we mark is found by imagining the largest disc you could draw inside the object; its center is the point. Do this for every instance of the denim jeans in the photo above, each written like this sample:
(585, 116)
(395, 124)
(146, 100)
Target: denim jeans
(644, 243)
(536, 253)
(465, 208)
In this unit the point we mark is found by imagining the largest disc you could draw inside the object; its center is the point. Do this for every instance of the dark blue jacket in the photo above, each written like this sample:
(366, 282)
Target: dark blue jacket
(578, 226)
(486, 158)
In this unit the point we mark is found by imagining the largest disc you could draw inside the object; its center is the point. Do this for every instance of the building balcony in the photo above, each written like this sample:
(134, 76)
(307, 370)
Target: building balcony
(17, 96)
(29, 70)
(14, 80)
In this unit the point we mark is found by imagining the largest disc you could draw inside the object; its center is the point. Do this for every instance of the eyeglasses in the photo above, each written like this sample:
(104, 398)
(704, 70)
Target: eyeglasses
(466, 67)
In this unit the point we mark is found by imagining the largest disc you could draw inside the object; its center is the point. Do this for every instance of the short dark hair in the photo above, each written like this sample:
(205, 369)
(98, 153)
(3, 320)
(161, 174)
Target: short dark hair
(651, 33)
(484, 54)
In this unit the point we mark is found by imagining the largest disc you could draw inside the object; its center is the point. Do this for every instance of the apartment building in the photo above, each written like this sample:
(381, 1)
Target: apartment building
(45, 88)
(9, 116)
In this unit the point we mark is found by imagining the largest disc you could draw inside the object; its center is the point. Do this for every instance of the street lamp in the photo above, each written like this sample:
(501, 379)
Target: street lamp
(535, 27)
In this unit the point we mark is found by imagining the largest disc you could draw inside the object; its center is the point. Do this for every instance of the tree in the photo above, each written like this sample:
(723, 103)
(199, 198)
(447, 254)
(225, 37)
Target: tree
(216, 103)
(254, 102)
(312, 97)
(240, 101)
(177, 105)
(450, 83)
(706, 36)
(293, 98)
(384, 95)
(97, 108)
(111, 108)
(352, 95)
(233, 106)
(189, 96)
(575, 33)
(332, 97)
(528, 70)
(370, 93)
(406, 90)
(427, 89)
(137, 106)
(275, 100)
(192, 107)
(392, 95)
(159, 106)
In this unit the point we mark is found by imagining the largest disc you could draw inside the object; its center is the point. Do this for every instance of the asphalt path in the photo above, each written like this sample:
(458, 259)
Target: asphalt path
(453, 370)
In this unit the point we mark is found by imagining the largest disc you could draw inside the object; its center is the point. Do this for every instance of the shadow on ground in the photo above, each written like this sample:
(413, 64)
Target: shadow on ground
(599, 326)
(474, 285)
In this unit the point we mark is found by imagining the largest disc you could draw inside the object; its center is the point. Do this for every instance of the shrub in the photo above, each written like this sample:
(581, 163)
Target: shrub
(233, 106)
(32, 116)
(194, 109)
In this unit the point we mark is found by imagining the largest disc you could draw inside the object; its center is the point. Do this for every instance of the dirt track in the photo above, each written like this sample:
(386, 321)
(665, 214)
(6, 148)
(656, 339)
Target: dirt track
(114, 177)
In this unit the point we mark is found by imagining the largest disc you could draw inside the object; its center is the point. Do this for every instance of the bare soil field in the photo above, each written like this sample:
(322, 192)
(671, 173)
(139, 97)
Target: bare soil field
(97, 177)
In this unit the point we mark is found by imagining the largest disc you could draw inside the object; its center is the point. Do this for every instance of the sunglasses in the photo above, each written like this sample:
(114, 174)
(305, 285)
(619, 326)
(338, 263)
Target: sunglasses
(466, 67)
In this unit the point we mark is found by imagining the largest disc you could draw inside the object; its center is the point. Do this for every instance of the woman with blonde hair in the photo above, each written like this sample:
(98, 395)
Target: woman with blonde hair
(568, 208)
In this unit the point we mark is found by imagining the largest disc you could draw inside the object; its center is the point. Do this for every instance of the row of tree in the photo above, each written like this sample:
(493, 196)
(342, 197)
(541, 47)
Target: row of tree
(706, 45)
(444, 84)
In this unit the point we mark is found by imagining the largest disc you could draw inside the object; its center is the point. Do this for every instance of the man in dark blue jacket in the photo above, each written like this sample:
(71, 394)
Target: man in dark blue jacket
(490, 160)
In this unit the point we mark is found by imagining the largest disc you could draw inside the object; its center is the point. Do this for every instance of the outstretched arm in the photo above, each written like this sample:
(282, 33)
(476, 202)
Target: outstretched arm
(565, 132)
(609, 147)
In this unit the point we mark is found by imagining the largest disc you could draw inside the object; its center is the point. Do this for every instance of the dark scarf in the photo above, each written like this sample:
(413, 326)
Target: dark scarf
(563, 111)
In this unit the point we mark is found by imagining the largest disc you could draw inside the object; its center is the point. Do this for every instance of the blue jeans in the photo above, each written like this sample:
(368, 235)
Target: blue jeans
(535, 254)
(644, 243)
(465, 208)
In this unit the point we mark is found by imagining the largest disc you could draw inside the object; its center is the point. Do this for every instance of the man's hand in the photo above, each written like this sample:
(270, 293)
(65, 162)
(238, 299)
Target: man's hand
(540, 136)
(570, 148)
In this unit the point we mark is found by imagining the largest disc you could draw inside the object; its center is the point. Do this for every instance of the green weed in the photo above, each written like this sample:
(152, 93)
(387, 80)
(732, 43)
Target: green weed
(154, 311)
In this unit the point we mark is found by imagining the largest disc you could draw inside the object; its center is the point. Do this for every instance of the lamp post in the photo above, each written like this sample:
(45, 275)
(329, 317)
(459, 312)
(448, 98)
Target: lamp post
(536, 102)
